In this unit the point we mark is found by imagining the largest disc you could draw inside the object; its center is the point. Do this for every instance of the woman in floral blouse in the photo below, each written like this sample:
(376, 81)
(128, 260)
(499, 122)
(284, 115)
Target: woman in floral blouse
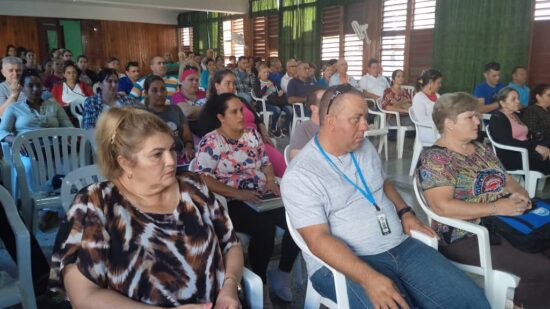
(145, 236)
(233, 162)
(464, 179)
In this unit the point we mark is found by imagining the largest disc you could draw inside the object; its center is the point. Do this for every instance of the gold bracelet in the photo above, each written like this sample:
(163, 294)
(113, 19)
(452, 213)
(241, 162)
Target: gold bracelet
(230, 278)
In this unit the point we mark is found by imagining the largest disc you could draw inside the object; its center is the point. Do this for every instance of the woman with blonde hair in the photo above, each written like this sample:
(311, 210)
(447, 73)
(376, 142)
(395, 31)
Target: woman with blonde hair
(145, 238)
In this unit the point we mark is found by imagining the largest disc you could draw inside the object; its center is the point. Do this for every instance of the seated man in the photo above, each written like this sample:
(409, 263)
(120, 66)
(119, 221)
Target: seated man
(305, 131)
(300, 86)
(126, 83)
(351, 217)
(243, 79)
(519, 83)
(486, 92)
(374, 83)
(291, 66)
(11, 89)
(158, 67)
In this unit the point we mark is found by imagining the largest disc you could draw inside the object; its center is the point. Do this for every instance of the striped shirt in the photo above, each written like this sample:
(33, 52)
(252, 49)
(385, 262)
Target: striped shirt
(171, 83)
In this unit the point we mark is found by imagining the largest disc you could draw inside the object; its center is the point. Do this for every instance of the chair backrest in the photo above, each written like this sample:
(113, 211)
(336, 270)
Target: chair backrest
(263, 112)
(77, 110)
(410, 89)
(76, 180)
(298, 109)
(23, 260)
(420, 127)
(51, 152)
(524, 153)
(286, 154)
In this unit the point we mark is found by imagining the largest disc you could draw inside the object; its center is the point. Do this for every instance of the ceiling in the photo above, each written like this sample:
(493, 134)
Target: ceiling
(147, 11)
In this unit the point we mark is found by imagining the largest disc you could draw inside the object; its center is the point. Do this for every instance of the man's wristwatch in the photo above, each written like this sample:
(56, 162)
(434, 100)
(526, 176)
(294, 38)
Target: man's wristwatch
(405, 210)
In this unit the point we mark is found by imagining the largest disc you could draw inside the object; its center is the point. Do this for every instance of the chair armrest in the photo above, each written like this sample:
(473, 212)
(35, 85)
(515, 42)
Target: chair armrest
(253, 289)
(425, 238)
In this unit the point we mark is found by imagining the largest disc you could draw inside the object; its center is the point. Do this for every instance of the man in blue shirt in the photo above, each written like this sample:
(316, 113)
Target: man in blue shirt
(486, 91)
(518, 82)
(275, 74)
(126, 83)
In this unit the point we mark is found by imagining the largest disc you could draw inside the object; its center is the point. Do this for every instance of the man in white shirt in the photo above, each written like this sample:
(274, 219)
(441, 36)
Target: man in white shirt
(374, 83)
(10, 89)
(291, 69)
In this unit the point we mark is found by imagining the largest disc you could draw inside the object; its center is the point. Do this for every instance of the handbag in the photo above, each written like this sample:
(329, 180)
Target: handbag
(529, 232)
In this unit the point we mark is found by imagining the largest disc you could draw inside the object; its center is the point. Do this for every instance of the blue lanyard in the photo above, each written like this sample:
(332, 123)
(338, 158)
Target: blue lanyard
(366, 191)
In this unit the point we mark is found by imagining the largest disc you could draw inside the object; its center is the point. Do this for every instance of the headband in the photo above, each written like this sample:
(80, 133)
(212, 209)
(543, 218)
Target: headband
(186, 73)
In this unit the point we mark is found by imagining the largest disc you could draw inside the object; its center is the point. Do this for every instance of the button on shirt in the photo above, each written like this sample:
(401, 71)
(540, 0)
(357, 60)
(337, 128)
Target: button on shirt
(374, 84)
(315, 193)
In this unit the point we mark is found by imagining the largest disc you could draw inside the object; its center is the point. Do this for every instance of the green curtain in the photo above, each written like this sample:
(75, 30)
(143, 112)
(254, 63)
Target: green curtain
(325, 3)
(470, 33)
(263, 7)
(206, 31)
(299, 30)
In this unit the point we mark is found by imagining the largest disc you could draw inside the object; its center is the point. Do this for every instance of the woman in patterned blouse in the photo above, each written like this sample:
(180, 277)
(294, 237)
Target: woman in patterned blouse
(145, 237)
(233, 162)
(464, 179)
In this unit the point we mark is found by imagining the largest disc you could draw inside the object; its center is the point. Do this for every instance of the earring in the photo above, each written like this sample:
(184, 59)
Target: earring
(130, 176)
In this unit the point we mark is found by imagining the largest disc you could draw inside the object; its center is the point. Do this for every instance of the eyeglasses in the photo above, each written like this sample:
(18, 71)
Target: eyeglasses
(334, 96)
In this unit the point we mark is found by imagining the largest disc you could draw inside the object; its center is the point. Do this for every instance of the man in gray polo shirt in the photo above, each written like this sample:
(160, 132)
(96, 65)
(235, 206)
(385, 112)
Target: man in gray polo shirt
(10, 89)
(337, 196)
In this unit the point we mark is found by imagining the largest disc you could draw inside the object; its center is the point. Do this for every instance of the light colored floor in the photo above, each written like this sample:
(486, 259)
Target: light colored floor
(396, 170)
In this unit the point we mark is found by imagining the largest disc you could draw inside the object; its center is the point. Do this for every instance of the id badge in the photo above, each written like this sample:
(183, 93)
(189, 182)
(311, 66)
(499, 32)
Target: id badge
(383, 224)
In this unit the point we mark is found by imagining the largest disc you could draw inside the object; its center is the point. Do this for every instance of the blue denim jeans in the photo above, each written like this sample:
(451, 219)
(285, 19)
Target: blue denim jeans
(423, 276)
(277, 113)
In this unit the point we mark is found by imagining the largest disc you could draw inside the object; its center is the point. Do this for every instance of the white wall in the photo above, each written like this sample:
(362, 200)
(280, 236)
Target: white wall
(145, 11)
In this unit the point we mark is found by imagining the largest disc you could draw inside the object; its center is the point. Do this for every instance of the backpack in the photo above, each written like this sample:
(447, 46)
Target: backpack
(529, 232)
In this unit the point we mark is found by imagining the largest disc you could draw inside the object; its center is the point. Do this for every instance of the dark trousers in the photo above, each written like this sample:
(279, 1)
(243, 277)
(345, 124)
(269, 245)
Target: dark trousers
(261, 228)
(533, 269)
(39, 264)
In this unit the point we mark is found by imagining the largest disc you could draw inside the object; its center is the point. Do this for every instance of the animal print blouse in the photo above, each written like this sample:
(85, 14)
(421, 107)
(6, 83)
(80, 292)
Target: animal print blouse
(158, 259)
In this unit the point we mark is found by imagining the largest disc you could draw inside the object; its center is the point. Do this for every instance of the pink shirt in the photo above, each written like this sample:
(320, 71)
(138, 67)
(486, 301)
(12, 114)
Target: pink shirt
(519, 130)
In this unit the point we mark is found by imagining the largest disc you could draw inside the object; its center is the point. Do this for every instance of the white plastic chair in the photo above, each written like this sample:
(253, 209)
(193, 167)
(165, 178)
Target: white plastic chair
(81, 177)
(528, 178)
(418, 143)
(498, 285)
(485, 118)
(266, 115)
(77, 109)
(19, 289)
(410, 89)
(401, 130)
(298, 116)
(380, 129)
(51, 152)
(286, 154)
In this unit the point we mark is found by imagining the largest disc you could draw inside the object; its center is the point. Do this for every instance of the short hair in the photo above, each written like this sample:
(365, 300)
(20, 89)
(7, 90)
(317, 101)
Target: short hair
(539, 89)
(495, 66)
(311, 98)
(151, 61)
(232, 57)
(372, 61)
(10, 46)
(131, 64)
(26, 73)
(450, 105)
(66, 50)
(517, 68)
(273, 61)
(111, 59)
(121, 132)
(333, 97)
(218, 57)
(503, 94)
(106, 73)
(242, 58)
(208, 60)
(332, 61)
(80, 57)
(11, 60)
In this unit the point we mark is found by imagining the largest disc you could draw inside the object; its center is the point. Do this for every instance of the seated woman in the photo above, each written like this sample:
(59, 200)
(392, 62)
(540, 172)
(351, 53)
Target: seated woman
(190, 99)
(145, 236)
(220, 64)
(233, 162)
(463, 179)
(423, 102)
(506, 128)
(155, 102)
(275, 99)
(224, 82)
(328, 70)
(397, 99)
(33, 113)
(106, 97)
(208, 73)
(537, 115)
(70, 90)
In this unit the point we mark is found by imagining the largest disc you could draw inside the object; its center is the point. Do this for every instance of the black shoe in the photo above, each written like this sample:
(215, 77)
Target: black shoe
(285, 132)
(275, 133)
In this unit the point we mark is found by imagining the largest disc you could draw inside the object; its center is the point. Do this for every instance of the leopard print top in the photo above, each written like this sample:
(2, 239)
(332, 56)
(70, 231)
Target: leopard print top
(157, 259)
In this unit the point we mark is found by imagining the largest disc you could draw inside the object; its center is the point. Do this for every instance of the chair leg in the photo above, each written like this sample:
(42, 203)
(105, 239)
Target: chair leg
(541, 184)
(386, 146)
(400, 142)
(531, 184)
(313, 299)
(416, 155)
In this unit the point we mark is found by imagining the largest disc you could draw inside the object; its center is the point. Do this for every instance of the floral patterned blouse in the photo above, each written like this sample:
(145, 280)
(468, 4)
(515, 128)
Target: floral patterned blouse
(390, 97)
(236, 163)
(157, 259)
(477, 178)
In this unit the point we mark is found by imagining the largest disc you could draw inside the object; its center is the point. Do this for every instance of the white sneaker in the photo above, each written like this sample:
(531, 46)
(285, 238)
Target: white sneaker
(280, 283)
